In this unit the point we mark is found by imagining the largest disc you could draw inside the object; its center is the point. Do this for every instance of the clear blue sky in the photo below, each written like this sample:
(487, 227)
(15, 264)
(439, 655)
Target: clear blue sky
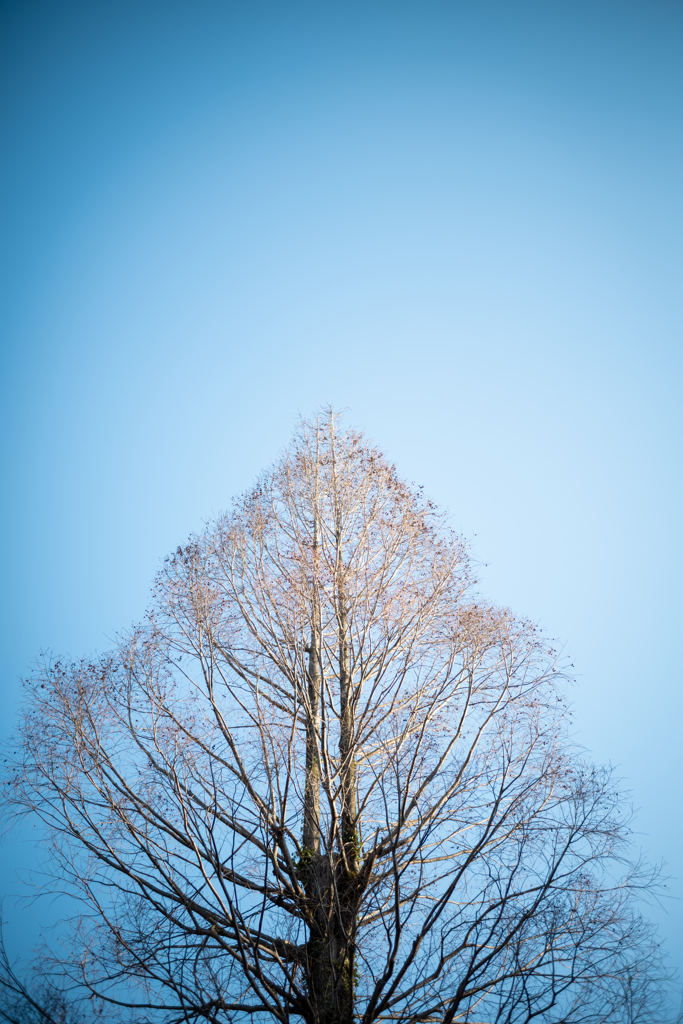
(461, 220)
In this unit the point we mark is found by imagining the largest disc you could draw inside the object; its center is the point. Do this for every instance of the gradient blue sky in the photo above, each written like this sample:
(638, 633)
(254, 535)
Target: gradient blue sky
(462, 221)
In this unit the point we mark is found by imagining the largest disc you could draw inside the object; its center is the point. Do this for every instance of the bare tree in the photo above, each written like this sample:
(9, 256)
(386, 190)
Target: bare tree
(323, 781)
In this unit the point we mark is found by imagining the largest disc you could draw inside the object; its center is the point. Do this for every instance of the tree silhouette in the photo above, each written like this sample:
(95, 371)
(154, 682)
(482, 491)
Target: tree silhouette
(324, 781)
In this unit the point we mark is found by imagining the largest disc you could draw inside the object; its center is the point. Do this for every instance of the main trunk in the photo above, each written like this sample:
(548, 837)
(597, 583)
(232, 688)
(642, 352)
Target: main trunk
(329, 955)
(329, 884)
(330, 874)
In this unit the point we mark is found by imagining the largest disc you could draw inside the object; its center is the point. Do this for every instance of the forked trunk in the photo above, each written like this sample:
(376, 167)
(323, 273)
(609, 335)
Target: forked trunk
(311, 831)
(329, 884)
(330, 876)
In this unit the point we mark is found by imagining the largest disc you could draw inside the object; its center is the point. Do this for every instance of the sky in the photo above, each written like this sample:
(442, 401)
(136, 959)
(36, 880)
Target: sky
(459, 221)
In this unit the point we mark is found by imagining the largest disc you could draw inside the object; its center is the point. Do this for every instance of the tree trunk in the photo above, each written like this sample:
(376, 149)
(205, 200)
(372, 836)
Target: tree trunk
(330, 876)
(330, 977)
(311, 830)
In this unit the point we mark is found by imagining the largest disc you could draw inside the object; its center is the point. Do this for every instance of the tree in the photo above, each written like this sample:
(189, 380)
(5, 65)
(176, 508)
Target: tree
(324, 781)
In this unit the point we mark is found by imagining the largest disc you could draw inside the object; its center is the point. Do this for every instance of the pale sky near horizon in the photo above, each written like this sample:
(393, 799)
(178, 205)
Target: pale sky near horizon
(461, 221)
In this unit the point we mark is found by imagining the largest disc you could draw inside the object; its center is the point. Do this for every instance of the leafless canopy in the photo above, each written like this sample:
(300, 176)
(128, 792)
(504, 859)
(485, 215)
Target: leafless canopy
(323, 782)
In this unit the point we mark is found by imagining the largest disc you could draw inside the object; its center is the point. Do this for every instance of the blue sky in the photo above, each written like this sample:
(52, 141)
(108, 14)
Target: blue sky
(461, 221)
